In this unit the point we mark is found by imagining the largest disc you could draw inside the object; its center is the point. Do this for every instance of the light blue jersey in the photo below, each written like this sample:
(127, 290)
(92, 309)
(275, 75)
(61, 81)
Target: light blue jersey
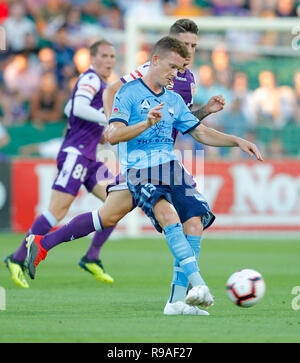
(155, 145)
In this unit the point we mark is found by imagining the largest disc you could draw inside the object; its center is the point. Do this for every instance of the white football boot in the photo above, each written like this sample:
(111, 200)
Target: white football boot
(181, 308)
(200, 295)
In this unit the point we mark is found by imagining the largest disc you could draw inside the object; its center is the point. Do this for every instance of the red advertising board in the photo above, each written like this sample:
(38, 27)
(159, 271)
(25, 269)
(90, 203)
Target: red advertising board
(243, 196)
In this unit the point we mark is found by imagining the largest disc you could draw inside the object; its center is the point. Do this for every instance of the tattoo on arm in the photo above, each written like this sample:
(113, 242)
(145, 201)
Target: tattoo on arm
(200, 113)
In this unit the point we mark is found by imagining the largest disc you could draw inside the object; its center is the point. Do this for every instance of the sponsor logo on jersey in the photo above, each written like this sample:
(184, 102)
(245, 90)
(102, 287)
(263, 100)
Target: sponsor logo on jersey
(145, 105)
(170, 85)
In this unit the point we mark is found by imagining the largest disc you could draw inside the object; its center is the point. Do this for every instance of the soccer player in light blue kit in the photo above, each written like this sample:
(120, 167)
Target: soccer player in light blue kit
(146, 153)
(144, 115)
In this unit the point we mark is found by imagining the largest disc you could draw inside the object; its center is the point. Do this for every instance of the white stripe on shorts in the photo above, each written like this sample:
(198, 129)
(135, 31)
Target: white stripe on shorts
(117, 187)
(66, 170)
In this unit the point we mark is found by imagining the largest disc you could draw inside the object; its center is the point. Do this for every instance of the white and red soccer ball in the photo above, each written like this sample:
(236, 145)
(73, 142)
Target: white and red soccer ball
(245, 287)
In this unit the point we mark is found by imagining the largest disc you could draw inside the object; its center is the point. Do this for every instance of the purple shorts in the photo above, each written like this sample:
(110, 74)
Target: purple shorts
(75, 170)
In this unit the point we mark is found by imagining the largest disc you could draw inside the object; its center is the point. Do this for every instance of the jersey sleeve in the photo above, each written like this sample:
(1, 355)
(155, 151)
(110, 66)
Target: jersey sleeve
(88, 86)
(140, 72)
(185, 120)
(121, 109)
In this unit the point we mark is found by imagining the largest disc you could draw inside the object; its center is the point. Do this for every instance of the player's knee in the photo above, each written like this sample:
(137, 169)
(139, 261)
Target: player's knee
(110, 220)
(193, 226)
(165, 213)
(59, 214)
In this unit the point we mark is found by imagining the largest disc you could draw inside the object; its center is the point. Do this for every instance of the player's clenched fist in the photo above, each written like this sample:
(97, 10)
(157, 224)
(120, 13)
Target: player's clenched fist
(154, 115)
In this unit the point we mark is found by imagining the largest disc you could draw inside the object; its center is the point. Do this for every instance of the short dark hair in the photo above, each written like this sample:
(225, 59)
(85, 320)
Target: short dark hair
(95, 45)
(170, 44)
(184, 26)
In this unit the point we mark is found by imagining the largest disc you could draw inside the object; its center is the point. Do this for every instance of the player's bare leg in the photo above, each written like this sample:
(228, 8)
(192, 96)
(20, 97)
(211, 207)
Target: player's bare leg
(116, 206)
(60, 203)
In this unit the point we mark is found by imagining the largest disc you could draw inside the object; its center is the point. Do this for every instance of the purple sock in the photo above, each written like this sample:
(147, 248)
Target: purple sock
(98, 241)
(40, 226)
(78, 227)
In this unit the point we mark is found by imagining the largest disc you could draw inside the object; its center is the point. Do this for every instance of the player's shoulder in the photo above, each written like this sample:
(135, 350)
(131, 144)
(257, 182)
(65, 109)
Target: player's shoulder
(90, 77)
(144, 66)
(130, 87)
(173, 96)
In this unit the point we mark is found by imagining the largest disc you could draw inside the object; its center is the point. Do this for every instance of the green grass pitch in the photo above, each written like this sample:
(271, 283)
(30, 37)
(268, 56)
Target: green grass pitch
(65, 304)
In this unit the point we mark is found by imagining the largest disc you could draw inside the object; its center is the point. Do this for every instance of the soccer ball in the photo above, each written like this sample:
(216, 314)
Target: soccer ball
(245, 287)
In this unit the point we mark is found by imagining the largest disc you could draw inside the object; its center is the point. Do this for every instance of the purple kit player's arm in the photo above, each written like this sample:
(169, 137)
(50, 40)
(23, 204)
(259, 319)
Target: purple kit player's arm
(87, 88)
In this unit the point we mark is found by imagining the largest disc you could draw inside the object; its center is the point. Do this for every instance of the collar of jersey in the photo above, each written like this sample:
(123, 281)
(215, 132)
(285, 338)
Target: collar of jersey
(155, 94)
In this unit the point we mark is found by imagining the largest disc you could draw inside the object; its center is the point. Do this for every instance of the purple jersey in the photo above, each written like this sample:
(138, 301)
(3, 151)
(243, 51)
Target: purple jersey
(183, 84)
(85, 135)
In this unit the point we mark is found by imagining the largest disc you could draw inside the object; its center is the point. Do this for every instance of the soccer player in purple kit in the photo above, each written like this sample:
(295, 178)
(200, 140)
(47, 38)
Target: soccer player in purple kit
(76, 162)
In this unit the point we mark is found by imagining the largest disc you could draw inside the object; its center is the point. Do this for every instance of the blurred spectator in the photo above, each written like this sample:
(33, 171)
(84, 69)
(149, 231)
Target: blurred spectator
(14, 111)
(47, 60)
(52, 17)
(34, 7)
(142, 9)
(186, 8)
(275, 149)
(75, 28)
(286, 8)
(21, 77)
(228, 7)
(17, 25)
(208, 87)
(47, 102)
(64, 54)
(112, 18)
(241, 91)
(222, 70)
(288, 103)
(266, 102)
(296, 82)
(82, 60)
(257, 7)
(233, 120)
(30, 46)
(169, 6)
(273, 105)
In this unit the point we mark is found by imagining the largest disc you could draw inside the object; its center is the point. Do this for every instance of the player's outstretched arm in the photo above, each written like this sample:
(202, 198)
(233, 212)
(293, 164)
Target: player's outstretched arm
(119, 132)
(211, 137)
